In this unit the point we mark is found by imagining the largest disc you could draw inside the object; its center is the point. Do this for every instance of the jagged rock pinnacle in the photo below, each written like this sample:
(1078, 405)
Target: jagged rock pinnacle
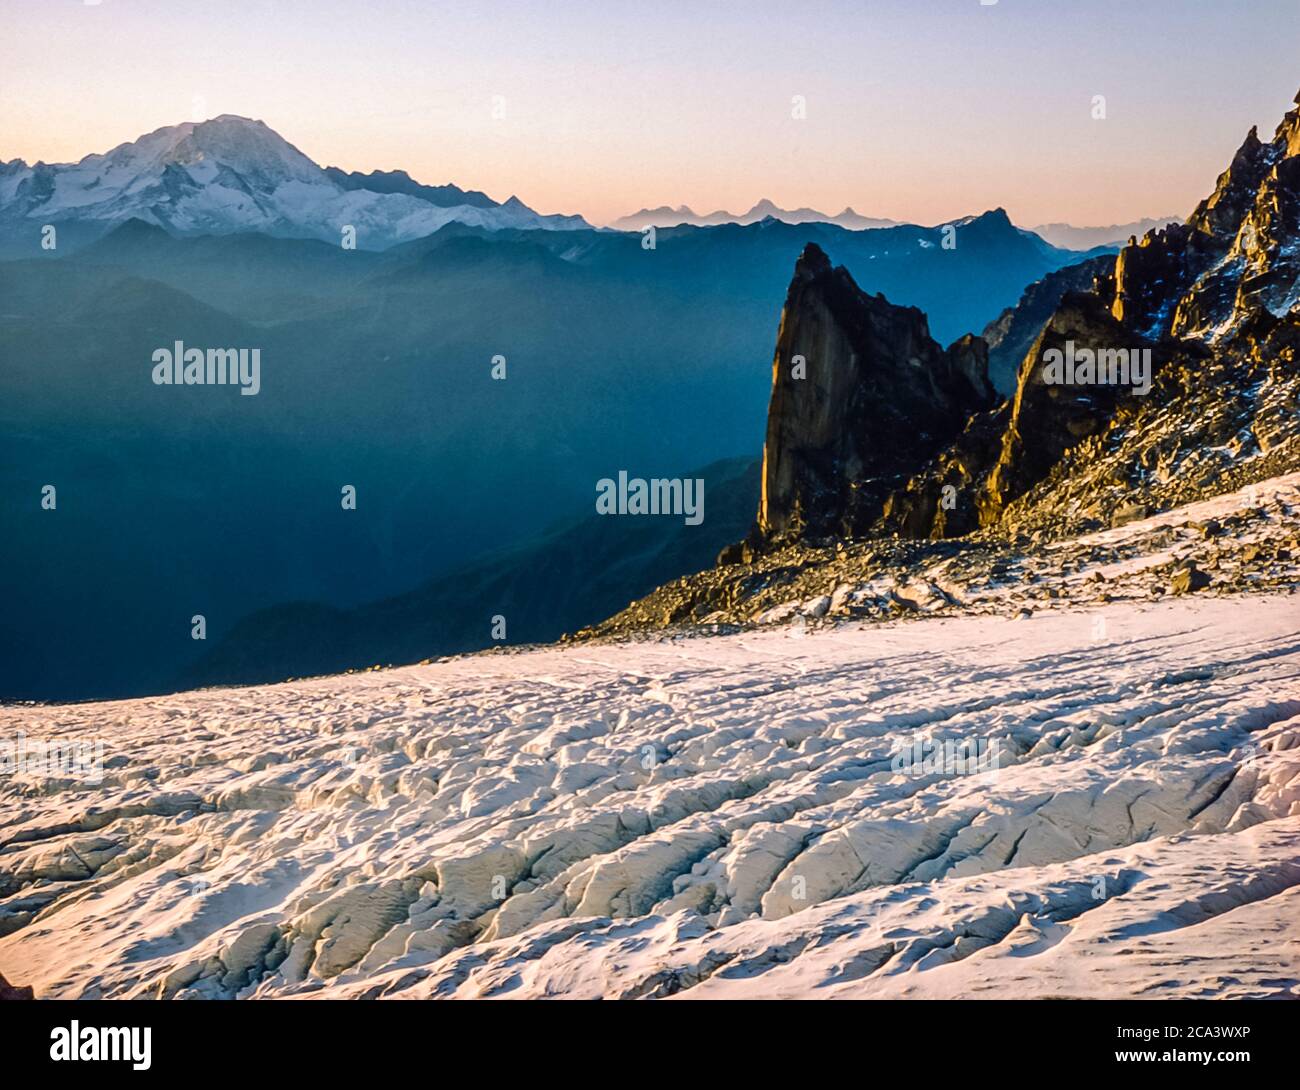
(861, 396)
(812, 262)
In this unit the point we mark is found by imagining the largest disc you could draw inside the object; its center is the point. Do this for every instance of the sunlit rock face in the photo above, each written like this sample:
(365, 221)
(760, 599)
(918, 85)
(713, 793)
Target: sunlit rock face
(1216, 301)
(1236, 255)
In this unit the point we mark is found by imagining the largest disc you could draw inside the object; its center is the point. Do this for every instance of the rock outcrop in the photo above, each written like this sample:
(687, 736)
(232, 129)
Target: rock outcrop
(1235, 255)
(1011, 334)
(1215, 300)
(875, 429)
(1048, 419)
(935, 503)
(862, 397)
(11, 991)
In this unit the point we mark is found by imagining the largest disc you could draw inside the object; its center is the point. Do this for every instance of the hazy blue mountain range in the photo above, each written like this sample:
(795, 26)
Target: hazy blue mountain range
(572, 575)
(1064, 235)
(175, 501)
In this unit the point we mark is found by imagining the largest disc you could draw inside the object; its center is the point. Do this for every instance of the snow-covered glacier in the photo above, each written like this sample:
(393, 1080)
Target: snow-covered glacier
(737, 815)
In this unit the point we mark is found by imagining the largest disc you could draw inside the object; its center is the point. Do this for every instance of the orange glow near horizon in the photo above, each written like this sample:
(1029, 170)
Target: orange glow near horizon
(919, 113)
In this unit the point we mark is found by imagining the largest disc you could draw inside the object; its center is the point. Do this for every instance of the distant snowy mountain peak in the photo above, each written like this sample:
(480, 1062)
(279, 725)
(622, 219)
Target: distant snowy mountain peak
(233, 174)
(250, 147)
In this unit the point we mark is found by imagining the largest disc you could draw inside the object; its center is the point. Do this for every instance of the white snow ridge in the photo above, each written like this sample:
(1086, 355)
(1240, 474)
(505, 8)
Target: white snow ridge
(232, 174)
(696, 817)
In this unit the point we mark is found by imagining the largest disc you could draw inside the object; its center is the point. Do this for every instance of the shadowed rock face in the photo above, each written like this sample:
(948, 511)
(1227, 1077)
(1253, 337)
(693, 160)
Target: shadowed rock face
(1047, 420)
(1013, 332)
(862, 396)
(10, 991)
(935, 503)
(1000, 455)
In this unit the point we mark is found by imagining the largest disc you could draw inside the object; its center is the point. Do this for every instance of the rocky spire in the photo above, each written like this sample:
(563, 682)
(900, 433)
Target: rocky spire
(861, 397)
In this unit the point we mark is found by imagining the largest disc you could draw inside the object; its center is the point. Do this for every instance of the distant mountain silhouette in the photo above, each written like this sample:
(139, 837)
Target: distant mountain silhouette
(1069, 237)
(674, 217)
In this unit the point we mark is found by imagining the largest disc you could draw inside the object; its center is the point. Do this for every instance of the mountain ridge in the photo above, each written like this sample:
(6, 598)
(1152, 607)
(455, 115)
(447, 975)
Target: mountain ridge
(376, 373)
(1063, 236)
(666, 216)
(1071, 237)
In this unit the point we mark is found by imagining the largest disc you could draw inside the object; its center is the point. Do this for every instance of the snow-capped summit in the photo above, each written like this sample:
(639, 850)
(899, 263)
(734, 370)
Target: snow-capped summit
(251, 148)
(231, 174)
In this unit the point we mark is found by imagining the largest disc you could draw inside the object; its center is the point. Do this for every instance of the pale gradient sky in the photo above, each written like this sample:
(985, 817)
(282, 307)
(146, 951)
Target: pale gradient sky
(918, 110)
